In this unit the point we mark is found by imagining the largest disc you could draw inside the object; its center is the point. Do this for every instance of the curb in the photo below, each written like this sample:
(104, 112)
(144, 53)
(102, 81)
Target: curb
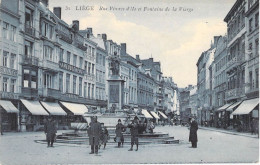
(226, 132)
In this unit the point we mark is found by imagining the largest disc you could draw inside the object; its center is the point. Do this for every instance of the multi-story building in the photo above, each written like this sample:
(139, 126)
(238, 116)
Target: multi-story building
(185, 109)
(101, 58)
(169, 88)
(193, 101)
(10, 78)
(235, 68)
(252, 49)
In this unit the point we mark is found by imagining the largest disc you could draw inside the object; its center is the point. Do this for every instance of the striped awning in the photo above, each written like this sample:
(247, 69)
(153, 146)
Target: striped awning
(163, 115)
(75, 108)
(155, 115)
(34, 107)
(146, 114)
(8, 106)
(53, 108)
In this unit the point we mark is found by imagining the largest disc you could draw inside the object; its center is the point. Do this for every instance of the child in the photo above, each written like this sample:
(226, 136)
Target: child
(104, 136)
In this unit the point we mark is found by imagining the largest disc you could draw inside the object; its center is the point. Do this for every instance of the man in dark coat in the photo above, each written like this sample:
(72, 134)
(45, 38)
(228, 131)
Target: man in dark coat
(120, 128)
(50, 131)
(94, 131)
(134, 126)
(193, 133)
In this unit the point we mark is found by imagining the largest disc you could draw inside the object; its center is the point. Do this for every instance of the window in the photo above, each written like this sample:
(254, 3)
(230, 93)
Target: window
(250, 25)
(97, 58)
(45, 29)
(86, 66)
(12, 33)
(80, 86)
(85, 90)
(80, 62)
(89, 65)
(93, 68)
(26, 78)
(12, 85)
(68, 57)
(97, 93)
(33, 79)
(61, 82)
(5, 30)
(251, 80)
(48, 53)
(67, 83)
(74, 84)
(256, 78)
(61, 54)
(89, 90)
(256, 20)
(257, 47)
(47, 81)
(5, 82)
(250, 47)
(28, 17)
(75, 60)
(93, 51)
(5, 58)
(104, 60)
(28, 48)
(92, 91)
(51, 32)
(12, 61)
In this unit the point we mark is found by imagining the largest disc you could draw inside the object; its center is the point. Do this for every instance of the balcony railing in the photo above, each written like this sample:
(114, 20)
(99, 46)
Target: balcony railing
(71, 68)
(29, 92)
(234, 93)
(29, 30)
(8, 71)
(234, 62)
(8, 95)
(50, 64)
(53, 93)
(30, 60)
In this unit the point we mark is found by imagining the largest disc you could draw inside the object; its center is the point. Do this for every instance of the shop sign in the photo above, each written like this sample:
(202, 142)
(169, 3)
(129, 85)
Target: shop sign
(255, 113)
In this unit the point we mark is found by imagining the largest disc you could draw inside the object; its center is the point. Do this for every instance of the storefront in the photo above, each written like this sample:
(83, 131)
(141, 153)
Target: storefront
(8, 116)
(59, 115)
(32, 116)
(245, 113)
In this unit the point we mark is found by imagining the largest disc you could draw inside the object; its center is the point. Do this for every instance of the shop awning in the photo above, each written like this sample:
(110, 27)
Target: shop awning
(146, 114)
(224, 107)
(53, 108)
(163, 115)
(233, 106)
(8, 106)
(155, 115)
(246, 107)
(34, 107)
(76, 109)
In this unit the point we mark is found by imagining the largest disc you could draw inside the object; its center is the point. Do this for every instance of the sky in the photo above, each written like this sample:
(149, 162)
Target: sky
(173, 32)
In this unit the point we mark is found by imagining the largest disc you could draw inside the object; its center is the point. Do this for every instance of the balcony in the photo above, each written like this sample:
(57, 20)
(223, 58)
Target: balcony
(71, 68)
(234, 93)
(8, 95)
(52, 93)
(28, 29)
(29, 92)
(50, 65)
(30, 60)
(90, 77)
(8, 71)
(234, 62)
(252, 93)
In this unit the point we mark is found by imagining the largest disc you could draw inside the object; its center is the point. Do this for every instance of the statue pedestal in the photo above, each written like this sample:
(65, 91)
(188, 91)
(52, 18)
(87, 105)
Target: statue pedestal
(115, 93)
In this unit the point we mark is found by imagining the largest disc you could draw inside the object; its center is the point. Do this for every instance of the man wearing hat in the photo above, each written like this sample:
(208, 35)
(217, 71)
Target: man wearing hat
(134, 133)
(120, 128)
(50, 131)
(193, 132)
(94, 131)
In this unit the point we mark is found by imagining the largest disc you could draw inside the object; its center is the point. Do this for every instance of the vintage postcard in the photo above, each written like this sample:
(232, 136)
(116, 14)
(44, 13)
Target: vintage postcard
(129, 81)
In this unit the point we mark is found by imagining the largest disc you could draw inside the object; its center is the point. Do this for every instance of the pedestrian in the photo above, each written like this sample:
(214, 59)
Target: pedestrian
(50, 131)
(120, 128)
(94, 132)
(104, 136)
(134, 126)
(193, 133)
(150, 127)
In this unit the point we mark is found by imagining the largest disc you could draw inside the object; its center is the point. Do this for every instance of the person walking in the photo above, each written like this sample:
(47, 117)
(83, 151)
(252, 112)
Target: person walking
(193, 133)
(50, 131)
(120, 128)
(94, 132)
(134, 133)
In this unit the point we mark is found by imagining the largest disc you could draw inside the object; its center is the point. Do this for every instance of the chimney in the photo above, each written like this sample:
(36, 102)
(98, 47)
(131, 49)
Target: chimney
(137, 57)
(89, 31)
(76, 22)
(57, 11)
(123, 48)
(104, 37)
(99, 36)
